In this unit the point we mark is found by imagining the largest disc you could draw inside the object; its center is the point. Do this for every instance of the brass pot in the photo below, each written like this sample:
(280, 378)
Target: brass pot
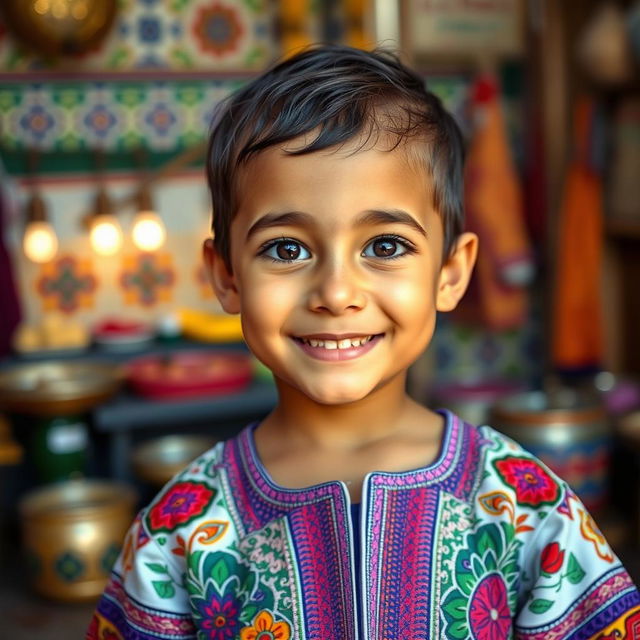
(157, 461)
(72, 534)
(59, 27)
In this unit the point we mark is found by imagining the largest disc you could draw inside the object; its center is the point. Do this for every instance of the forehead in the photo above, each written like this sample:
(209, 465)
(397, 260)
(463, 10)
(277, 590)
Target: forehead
(342, 179)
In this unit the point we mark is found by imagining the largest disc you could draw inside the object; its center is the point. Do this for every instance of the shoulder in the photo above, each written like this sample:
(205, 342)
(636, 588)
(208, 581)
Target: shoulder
(194, 501)
(510, 469)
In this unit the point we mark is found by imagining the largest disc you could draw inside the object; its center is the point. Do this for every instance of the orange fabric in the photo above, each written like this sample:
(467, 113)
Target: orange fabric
(577, 310)
(293, 17)
(494, 210)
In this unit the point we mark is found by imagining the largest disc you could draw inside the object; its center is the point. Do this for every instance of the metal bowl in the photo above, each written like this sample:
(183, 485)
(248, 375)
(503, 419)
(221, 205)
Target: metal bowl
(157, 461)
(72, 534)
(567, 429)
(59, 27)
(58, 387)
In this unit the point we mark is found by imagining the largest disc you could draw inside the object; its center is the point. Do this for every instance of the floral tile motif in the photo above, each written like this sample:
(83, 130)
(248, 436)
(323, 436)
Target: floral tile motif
(147, 279)
(116, 116)
(171, 34)
(67, 284)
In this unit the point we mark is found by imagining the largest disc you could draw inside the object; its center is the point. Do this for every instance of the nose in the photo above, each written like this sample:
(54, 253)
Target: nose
(338, 289)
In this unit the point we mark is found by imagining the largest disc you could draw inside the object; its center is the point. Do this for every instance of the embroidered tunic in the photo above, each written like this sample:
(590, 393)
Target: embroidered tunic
(484, 543)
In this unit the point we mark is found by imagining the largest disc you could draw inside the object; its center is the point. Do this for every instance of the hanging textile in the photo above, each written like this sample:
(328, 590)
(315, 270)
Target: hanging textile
(577, 338)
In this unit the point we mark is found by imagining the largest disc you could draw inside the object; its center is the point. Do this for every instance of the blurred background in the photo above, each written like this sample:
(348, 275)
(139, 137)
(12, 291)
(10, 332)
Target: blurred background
(117, 365)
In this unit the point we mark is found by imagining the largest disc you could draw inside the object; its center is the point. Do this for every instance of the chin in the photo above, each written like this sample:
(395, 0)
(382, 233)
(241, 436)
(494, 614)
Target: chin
(336, 396)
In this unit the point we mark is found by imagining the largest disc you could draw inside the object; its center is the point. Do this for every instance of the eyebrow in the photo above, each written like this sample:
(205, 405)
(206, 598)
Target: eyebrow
(391, 216)
(372, 217)
(293, 218)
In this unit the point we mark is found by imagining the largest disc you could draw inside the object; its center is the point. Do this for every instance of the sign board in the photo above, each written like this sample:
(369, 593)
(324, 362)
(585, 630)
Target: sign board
(452, 27)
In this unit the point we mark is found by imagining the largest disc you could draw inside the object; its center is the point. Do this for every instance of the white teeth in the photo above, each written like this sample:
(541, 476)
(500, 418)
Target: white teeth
(345, 343)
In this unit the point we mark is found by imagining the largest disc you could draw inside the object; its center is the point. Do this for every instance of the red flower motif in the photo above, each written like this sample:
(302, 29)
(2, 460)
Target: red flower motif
(183, 502)
(218, 29)
(533, 485)
(489, 614)
(552, 558)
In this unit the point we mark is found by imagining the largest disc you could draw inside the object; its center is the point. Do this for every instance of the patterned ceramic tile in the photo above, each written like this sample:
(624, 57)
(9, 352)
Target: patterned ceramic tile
(147, 279)
(115, 116)
(67, 284)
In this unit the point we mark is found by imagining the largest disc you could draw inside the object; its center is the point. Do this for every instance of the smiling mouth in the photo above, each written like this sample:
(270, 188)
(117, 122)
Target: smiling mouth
(341, 343)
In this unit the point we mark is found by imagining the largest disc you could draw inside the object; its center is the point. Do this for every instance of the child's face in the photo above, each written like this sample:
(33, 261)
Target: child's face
(337, 268)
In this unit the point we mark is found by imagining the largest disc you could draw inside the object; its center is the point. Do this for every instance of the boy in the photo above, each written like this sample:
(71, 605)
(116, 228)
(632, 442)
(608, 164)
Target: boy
(351, 511)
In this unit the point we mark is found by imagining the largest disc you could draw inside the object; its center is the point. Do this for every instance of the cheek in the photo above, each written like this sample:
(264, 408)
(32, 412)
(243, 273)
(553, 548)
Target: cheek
(410, 300)
(267, 303)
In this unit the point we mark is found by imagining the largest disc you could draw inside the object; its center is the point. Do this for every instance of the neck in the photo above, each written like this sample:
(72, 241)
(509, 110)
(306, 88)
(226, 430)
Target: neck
(380, 415)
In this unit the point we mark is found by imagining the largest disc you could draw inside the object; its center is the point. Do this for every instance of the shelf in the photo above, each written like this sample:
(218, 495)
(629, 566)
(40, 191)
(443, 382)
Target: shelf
(623, 228)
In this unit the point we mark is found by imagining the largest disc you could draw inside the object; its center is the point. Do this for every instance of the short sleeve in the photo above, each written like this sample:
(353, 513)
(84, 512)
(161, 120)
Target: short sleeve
(144, 597)
(573, 585)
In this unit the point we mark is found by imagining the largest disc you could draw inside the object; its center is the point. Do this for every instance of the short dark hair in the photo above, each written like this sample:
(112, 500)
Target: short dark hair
(337, 93)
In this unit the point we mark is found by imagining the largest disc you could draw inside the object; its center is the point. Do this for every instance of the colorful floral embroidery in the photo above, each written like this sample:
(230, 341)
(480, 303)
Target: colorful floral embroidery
(552, 558)
(217, 615)
(135, 539)
(183, 502)
(489, 614)
(226, 579)
(264, 627)
(532, 483)
(590, 532)
(498, 502)
(485, 584)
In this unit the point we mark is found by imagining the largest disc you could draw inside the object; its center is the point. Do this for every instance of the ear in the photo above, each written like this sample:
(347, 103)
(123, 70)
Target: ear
(456, 272)
(222, 280)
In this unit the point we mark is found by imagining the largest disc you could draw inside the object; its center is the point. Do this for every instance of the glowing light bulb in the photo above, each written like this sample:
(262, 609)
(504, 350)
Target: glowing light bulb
(105, 234)
(40, 243)
(148, 231)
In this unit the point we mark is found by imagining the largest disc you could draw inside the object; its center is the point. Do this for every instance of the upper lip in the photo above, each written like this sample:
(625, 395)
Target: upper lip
(335, 336)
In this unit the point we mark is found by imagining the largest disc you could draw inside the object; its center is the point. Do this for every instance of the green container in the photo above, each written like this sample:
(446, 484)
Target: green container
(60, 447)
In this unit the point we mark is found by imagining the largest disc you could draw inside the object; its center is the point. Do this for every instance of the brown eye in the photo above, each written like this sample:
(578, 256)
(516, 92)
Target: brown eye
(388, 247)
(285, 250)
(288, 250)
(384, 248)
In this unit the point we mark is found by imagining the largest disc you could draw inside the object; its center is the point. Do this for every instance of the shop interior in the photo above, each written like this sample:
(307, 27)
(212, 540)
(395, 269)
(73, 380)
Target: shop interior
(118, 365)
